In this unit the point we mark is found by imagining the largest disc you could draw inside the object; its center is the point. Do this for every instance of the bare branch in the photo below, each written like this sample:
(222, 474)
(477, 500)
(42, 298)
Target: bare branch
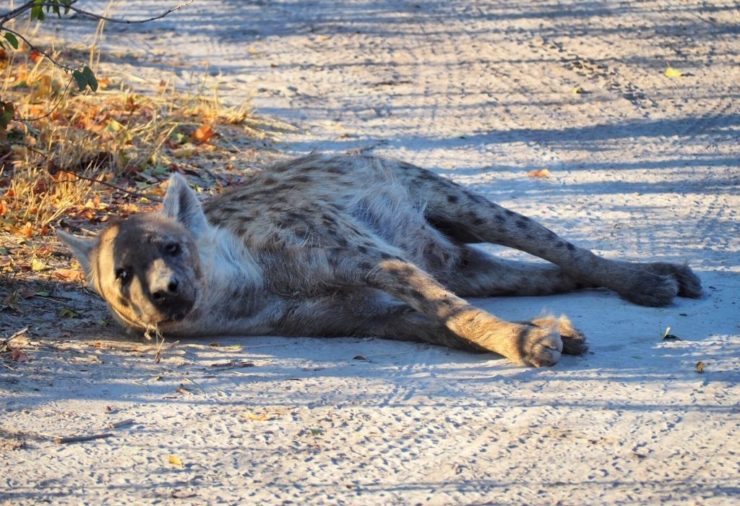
(15, 13)
(96, 16)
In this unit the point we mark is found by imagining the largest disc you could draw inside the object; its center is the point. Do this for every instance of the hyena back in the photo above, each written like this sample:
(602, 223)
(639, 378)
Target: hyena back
(340, 245)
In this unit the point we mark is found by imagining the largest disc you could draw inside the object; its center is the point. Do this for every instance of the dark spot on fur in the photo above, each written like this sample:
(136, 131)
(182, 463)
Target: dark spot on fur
(365, 266)
(302, 179)
(362, 249)
(510, 213)
(521, 223)
(269, 181)
(123, 302)
(551, 234)
(530, 237)
(452, 199)
(559, 244)
(413, 292)
(500, 218)
(570, 247)
(478, 221)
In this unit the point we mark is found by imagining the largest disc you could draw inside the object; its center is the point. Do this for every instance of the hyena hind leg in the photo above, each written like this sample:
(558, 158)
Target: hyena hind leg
(467, 217)
(482, 275)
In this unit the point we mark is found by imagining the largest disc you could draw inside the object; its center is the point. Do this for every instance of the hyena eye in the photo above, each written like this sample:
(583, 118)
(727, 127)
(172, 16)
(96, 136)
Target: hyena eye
(123, 274)
(172, 249)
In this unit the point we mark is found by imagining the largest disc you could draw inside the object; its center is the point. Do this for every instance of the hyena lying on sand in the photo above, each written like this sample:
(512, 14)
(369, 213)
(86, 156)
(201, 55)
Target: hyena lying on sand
(340, 246)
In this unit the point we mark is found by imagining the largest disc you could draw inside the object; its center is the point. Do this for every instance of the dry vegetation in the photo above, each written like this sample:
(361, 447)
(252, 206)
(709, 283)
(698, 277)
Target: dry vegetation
(77, 159)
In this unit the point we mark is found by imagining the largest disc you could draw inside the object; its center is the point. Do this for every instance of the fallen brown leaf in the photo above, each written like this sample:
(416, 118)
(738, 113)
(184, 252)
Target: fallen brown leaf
(542, 173)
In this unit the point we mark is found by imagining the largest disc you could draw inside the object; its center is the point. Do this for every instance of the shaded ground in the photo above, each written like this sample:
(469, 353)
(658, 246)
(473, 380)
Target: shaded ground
(643, 166)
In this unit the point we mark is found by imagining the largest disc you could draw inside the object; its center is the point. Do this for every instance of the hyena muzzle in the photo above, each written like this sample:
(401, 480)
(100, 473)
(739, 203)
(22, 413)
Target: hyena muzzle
(351, 245)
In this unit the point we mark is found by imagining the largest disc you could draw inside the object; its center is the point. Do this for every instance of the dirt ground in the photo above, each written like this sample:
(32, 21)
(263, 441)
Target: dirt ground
(642, 166)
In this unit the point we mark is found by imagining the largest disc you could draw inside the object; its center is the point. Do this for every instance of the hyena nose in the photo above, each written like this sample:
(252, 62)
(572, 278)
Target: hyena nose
(166, 291)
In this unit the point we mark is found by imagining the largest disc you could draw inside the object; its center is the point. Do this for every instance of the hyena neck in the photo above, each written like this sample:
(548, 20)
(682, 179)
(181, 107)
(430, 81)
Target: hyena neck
(231, 294)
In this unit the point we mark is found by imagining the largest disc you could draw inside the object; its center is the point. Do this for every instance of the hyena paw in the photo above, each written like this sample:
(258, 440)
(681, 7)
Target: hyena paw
(574, 342)
(689, 284)
(539, 346)
(648, 288)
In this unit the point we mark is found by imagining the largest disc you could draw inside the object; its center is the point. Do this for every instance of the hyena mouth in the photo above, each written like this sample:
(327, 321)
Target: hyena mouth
(175, 317)
(179, 314)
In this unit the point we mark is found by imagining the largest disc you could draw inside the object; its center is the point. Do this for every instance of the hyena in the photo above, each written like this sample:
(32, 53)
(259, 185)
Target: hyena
(351, 246)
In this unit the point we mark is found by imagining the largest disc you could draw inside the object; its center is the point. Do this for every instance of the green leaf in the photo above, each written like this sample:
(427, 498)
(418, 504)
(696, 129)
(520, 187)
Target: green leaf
(11, 40)
(7, 111)
(79, 79)
(90, 78)
(37, 11)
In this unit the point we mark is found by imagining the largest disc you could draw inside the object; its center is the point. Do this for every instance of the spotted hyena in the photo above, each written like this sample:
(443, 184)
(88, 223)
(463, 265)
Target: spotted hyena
(340, 246)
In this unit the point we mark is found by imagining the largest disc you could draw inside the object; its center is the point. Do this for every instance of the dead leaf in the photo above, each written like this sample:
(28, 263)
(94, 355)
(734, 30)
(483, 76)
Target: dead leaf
(69, 275)
(541, 173)
(257, 417)
(700, 367)
(67, 312)
(672, 73)
(25, 231)
(38, 266)
(203, 134)
(18, 356)
(186, 151)
(175, 460)
(35, 56)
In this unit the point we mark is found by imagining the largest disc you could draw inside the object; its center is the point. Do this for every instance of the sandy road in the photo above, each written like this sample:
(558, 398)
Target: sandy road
(643, 166)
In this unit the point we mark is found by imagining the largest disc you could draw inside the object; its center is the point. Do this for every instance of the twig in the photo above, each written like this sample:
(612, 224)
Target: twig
(122, 423)
(34, 48)
(94, 180)
(17, 334)
(80, 439)
(59, 100)
(117, 188)
(100, 17)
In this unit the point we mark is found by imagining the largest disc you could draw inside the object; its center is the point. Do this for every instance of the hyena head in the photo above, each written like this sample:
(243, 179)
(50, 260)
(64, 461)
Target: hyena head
(147, 267)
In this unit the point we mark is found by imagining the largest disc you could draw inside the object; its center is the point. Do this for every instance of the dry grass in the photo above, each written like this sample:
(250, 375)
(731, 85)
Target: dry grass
(62, 139)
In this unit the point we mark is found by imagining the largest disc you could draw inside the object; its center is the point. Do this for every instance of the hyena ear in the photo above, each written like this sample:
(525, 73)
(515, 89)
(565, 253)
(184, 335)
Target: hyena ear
(82, 248)
(181, 204)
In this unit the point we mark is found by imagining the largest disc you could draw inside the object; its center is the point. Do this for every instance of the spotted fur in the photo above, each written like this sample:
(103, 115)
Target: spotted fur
(340, 245)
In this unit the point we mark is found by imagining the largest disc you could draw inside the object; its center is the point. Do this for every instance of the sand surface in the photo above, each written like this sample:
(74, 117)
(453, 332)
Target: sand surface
(642, 167)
